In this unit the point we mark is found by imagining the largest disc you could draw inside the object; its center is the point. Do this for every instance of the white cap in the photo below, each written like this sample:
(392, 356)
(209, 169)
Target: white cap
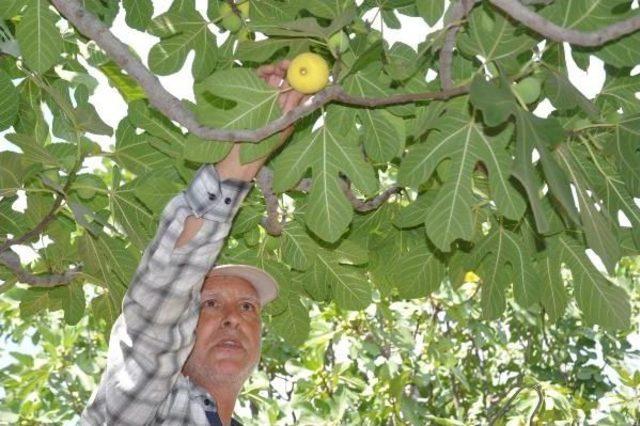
(266, 286)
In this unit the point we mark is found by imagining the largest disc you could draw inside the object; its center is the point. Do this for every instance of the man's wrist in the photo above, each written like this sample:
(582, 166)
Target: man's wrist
(231, 167)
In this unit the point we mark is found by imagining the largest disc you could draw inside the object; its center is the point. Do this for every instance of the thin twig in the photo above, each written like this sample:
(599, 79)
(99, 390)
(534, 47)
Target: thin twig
(273, 225)
(538, 390)
(506, 406)
(48, 218)
(364, 206)
(11, 261)
(459, 11)
(172, 107)
(555, 32)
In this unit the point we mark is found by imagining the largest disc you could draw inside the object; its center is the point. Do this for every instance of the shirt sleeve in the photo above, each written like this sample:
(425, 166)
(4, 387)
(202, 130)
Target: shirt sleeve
(153, 336)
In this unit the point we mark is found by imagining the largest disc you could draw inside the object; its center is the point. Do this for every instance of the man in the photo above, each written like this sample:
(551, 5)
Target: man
(159, 371)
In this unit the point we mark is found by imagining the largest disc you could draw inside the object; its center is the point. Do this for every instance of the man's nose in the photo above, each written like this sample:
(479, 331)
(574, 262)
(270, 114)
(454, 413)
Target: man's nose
(230, 318)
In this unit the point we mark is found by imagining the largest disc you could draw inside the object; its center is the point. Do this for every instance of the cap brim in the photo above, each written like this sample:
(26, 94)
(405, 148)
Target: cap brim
(266, 286)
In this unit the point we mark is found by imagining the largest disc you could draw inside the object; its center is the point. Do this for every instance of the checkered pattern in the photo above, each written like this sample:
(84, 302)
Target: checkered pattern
(155, 333)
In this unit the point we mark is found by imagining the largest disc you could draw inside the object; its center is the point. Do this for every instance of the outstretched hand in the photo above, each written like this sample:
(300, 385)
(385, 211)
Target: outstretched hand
(275, 76)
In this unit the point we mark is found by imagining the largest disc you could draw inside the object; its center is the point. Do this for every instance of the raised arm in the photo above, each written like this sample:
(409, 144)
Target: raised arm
(154, 335)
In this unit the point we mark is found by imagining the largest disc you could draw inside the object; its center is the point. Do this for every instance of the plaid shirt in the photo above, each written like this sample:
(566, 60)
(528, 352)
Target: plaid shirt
(155, 333)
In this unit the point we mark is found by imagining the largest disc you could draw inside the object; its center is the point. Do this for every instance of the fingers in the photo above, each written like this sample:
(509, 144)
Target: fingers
(290, 99)
(283, 66)
(266, 70)
(273, 74)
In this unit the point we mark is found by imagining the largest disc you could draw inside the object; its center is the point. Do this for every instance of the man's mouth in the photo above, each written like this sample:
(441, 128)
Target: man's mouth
(229, 344)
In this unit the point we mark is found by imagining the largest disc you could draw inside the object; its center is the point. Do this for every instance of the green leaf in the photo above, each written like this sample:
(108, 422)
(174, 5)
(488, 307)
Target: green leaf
(607, 183)
(418, 271)
(494, 99)
(107, 307)
(8, 101)
(11, 221)
(182, 29)
(156, 189)
(38, 207)
(402, 61)
(591, 15)
(239, 99)
(87, 119)
(39, 38)
(248, 218)
(346, 285)
(553, 296)
(107, 262)
(88, 185)
(139, 13)
(11, 8)
(34, 153)
(620, 92)
(383, 134)
(597, 228)
(416, 213)
(271, 13)
(503, 258)
(263, 50)
(293, 323)
(159, 126)
(204, 151)
(624, 144)
(464, 143)
(506, 40)
(328, 151)
(563, 95)
(297, 247)
(601, 301)
(68, 297)
(431, 11)
(541, 134)
(125, 84)
(137, 221)
(135, 152)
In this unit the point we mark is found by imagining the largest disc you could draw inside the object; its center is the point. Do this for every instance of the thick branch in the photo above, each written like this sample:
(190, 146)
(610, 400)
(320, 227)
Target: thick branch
(171, 106)
(521, 13)
(271, 223)
(10, 260)
(458, 12)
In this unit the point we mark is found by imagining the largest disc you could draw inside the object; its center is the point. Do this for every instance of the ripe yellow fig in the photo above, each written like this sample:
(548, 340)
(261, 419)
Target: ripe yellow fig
(308, 73)
(471, 277)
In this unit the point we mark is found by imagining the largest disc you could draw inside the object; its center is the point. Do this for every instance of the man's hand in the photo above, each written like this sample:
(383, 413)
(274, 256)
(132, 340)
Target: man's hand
(274, 75)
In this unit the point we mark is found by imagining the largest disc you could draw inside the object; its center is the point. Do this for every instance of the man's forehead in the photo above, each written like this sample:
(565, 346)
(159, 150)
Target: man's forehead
(228, 284)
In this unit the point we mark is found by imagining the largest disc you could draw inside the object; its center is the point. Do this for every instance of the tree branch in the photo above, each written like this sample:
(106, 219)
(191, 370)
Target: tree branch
(364, 206)
(11, 260)
(38, 228)
(271, 223)
(458, 12)
(171, 107)
(542, 26)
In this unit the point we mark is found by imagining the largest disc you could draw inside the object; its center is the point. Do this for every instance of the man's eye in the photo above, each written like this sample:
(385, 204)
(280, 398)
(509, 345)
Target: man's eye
(211, 303)
(248, 307)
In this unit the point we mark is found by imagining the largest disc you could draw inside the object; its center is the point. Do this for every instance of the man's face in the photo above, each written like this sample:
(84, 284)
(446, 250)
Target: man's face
(227, 345)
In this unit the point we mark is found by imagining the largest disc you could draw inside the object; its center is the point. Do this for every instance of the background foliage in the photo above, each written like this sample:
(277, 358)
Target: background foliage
(481, 183)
